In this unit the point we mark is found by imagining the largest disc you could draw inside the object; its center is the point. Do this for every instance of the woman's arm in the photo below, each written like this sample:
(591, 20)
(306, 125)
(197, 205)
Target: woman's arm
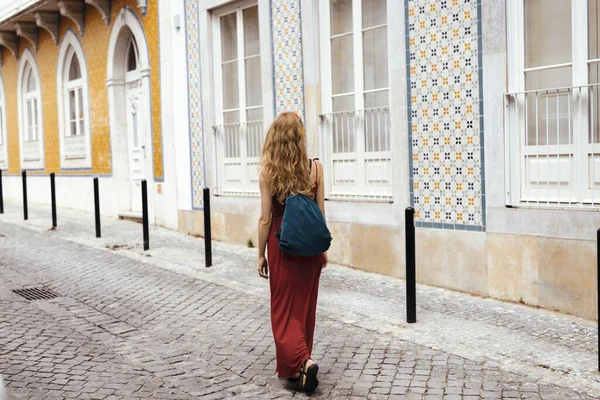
(264, 226)
(321, 200)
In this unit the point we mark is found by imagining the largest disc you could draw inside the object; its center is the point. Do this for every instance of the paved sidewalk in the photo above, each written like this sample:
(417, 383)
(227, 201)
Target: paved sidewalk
(136, 324)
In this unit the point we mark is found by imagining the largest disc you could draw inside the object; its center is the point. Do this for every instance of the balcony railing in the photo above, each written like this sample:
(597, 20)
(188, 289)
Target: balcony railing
(356, 152)
(553, 147)
(238, 149)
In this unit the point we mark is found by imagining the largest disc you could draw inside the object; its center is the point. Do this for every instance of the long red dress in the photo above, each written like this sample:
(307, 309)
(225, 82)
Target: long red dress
(294, 285)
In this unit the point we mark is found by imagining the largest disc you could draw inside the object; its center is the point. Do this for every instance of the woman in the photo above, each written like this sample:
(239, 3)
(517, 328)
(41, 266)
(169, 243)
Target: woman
(294, 281)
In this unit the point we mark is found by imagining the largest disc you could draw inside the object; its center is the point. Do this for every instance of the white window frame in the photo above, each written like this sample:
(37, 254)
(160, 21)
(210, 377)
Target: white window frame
(75, 150)
(31, 103)
(134, 73)
(357, 32)
(32, 151)
(75, 86)
(3, 131)
(244, 169)
(337, 189)
(579, 175)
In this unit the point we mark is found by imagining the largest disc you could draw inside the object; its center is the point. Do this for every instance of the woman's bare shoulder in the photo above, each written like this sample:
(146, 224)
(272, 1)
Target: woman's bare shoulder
(318, 164)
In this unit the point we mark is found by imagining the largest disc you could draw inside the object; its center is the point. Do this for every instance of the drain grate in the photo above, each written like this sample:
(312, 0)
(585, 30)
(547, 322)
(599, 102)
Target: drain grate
(36, 293)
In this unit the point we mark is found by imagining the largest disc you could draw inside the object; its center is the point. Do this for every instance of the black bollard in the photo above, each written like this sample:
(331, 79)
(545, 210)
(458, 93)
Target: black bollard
(97, 207)
(207, 229)
(145, 215)
(411, 290)
(25, 209)
(1, 195)
(53, 198)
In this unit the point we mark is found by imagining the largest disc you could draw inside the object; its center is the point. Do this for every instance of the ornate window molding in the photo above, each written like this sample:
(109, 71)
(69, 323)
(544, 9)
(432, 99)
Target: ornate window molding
(31, 129)
(73, 105)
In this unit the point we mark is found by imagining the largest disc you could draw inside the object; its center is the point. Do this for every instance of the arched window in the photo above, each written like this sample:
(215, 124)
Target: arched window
(31, 131)
(73, 105)
(31, 102)
(73, 90)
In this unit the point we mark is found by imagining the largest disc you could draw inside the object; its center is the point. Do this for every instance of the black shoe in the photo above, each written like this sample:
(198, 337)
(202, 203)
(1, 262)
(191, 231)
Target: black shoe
(310, 382)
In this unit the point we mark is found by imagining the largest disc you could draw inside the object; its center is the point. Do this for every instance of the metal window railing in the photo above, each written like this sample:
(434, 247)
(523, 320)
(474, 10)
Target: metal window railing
(238, 148)
(553, 147)
(356, 152)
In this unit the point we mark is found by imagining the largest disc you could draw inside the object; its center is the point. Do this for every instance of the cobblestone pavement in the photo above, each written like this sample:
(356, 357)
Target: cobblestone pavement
(129, 324)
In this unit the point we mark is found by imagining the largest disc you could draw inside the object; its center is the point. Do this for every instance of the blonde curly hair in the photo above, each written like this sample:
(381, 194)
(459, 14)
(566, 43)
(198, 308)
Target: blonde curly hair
(284, 165)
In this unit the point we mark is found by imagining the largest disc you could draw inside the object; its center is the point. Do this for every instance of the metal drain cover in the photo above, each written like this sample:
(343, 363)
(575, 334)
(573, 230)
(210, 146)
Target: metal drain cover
(36, 293)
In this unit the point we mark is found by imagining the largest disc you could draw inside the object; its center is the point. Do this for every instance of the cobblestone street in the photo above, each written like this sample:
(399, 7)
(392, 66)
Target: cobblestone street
(129, 324)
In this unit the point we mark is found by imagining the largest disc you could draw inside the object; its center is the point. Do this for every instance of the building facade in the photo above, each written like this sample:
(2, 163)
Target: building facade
(80, 96)
(483, 116)
(480, 115)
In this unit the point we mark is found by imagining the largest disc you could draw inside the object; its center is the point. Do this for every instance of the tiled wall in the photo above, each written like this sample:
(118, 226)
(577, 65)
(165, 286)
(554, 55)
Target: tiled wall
(95, 42)
(444, 52)
(287, 53)
(446, 113)
(195, 101)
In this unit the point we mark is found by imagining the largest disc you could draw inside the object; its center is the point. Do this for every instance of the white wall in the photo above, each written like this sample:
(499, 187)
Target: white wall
(71, 192)
(77, 193)
(167, 204)
(266, 42)
(179, 106)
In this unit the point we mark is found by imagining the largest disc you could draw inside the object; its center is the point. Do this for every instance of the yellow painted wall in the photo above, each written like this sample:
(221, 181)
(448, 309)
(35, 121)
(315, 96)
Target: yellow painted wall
(95, 44)
(9, 73)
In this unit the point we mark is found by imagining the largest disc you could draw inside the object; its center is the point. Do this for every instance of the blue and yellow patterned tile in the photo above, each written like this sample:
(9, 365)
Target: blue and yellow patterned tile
(287, 53)
(444, 81)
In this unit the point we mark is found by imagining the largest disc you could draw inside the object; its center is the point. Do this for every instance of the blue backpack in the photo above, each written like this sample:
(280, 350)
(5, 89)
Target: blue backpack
(303, 231)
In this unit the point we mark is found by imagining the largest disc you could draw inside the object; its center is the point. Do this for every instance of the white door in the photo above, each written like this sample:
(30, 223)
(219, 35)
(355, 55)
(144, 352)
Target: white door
(136, 142)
